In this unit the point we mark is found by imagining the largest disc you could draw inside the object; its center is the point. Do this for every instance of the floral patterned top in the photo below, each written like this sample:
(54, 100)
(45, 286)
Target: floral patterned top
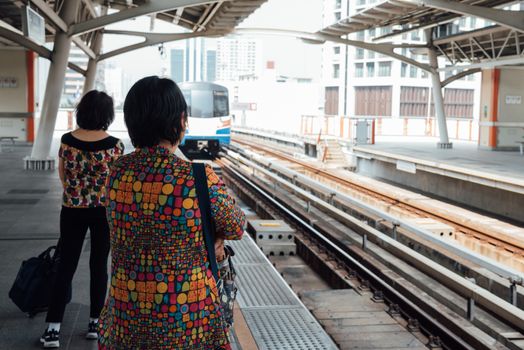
(86, 166)
(162, 293)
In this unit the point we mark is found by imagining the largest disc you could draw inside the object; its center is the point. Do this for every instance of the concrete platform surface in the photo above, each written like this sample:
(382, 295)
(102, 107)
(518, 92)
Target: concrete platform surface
(464, 155)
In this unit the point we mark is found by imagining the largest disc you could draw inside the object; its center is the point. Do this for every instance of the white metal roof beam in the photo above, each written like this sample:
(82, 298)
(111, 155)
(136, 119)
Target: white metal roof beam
(146, 9)
(490, 63)
(84, 47)
(505, 43)
(509, 19)
(178, 15)
(460, 75)
(319, 38)
(50, 14)
(90, 7)
(152, 39)
(21, 40)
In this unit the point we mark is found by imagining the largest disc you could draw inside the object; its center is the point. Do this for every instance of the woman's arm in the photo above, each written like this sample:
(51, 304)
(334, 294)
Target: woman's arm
(229, 218)
(61, 171)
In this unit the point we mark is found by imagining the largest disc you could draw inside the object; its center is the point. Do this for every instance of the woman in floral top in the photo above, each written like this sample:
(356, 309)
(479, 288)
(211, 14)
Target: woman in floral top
(162, 294)
(84, 159)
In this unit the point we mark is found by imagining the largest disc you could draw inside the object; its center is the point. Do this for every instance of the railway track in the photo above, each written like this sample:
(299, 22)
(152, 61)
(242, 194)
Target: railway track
(499, 241)
(447, 317)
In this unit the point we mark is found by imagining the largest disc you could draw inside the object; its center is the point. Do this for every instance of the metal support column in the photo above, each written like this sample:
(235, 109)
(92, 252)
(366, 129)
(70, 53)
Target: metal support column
(89, 82)
(53, 91)
(437, 94)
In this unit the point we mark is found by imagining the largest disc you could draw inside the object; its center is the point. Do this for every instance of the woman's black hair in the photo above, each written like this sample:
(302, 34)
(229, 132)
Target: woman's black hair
(95, 111)
(153, 110)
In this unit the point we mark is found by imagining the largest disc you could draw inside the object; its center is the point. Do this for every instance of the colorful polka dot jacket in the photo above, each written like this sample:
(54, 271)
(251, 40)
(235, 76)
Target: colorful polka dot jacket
(86, 166)
(162, 293)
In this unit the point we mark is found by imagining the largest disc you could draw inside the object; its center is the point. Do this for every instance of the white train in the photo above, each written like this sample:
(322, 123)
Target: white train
(209, 124)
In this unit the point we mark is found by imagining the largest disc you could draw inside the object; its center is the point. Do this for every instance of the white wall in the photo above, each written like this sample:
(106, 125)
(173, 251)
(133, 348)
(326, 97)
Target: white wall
(511, 85)
(13, 99)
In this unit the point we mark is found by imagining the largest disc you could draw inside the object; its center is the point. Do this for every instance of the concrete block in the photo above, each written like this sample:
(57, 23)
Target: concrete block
(280, 249)
(273, 231)
(438, 228)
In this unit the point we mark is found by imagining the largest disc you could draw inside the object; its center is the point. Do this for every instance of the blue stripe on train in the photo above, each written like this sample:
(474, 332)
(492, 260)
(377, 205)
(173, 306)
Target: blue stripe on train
(224, 131)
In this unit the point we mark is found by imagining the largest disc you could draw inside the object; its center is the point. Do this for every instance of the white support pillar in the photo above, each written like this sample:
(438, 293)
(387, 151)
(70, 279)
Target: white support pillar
(437, 96)
(89, 82)
(55, 83)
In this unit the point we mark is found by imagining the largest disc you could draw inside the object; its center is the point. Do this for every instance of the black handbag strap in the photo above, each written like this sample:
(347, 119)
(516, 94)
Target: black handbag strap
(199, 172)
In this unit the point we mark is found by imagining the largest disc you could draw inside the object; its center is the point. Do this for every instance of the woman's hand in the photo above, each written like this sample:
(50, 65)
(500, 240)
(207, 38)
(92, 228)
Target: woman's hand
(219, 249)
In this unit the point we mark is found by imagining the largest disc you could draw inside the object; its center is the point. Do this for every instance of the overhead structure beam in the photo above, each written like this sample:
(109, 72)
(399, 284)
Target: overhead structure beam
(19, 38)
(319, 38)
(509, 19)
(84, 47)
(90, 7)
(152, 39)
(145, 9)
(489, 63)
(460, 75)
(50, 14)
(178, 15)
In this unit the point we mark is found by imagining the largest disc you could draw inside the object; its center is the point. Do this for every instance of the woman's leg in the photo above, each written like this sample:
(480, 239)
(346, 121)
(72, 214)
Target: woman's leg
(72, 233)
(100, 245)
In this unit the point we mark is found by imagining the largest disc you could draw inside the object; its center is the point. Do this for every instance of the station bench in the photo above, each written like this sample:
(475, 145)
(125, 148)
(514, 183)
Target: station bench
(8, 138)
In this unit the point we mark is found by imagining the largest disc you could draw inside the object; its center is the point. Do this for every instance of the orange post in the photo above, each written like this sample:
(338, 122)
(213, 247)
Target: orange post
(494, 108)
(30, 67)
(373, 132)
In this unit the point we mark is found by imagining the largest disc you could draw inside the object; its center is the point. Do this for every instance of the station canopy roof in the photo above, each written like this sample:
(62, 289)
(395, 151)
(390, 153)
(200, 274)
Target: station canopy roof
(493, 45)
(198, 16)
(408, 14)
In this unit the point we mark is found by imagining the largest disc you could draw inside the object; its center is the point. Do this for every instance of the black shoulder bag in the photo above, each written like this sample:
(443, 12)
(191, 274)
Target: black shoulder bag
(223, 271)
(31, 290)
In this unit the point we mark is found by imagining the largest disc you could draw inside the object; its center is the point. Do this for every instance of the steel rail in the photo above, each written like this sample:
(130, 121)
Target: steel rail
(433, 326)
(456, 283)
(506, 272)
(475, 231)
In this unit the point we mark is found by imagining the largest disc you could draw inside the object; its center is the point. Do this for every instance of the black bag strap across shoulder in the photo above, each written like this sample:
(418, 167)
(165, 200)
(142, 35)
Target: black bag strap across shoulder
(199, 172)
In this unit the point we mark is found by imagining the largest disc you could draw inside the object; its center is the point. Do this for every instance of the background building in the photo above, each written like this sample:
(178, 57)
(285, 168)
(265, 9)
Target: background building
(194, 60)
(363, 84)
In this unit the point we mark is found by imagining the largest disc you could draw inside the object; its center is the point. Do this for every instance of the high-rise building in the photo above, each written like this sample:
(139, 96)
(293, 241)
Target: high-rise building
(362, 83)
(237, 57)
(193, 60)
(74, 81)
(114, 84)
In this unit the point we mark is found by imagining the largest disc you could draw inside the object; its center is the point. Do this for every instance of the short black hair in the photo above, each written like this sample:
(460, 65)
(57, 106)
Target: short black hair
(95, 111)
(153, 110)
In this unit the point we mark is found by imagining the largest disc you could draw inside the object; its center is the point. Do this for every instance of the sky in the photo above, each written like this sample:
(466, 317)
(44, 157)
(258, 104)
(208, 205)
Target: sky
(292, 57)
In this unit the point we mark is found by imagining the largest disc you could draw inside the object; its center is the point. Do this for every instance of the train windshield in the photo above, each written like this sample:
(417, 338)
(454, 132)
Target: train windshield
(206, 103)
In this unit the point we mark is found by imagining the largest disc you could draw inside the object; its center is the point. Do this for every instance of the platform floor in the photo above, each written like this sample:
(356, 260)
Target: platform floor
(464, 155)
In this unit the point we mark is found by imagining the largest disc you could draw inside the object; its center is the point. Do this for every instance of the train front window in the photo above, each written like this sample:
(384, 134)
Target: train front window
(221, 104)
(201, 104)
(206, 103)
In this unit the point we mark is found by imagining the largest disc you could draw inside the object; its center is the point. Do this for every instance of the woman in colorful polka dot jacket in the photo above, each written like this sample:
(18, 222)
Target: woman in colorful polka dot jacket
(162, 293)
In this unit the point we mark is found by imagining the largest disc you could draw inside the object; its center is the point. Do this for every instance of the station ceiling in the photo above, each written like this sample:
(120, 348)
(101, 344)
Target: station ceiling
(218, 15)
(404, 13)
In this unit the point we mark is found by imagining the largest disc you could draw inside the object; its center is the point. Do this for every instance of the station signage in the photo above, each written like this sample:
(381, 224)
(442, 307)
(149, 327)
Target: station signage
(513, 100)
(33, 25)
(8, 82)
